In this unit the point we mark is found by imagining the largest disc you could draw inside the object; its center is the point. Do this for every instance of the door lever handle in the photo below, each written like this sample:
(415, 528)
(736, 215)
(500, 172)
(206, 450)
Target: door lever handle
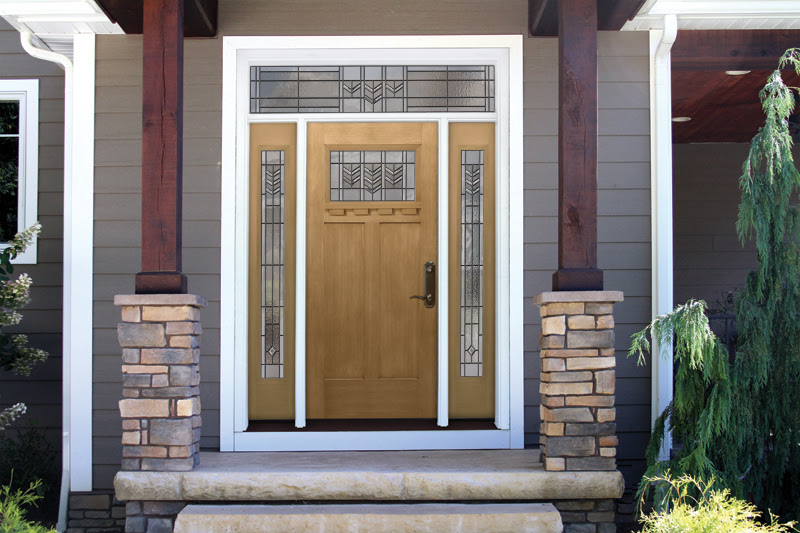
(430, 286)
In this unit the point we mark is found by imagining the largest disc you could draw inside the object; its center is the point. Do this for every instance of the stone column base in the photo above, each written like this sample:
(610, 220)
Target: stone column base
(578, 380)
(161, 381)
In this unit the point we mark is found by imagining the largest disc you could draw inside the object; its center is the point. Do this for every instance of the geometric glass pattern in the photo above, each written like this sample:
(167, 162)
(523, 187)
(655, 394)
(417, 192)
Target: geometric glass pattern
(372, 89)
(471, 263)
(372, 175)
(273, 167)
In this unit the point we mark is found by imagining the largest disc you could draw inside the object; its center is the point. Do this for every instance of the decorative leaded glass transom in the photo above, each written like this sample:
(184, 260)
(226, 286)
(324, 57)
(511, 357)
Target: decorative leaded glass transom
(372, 89)
(472, 263)
(372, 175)
(273, 169)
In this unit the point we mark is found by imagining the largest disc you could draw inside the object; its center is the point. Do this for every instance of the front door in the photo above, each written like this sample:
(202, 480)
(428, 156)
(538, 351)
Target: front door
(371, 235)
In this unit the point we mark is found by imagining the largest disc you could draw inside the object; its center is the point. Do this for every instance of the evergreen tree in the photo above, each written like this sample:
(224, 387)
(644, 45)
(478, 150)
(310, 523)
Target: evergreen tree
(736, 419)
(766, 368)
(15, 354)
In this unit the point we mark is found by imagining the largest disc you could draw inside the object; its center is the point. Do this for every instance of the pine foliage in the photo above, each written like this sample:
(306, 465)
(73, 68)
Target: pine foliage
(736, 419)
(700, 412)
(767, 363)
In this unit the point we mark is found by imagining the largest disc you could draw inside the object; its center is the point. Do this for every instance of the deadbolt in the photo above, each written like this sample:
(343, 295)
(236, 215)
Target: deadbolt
(430, 286)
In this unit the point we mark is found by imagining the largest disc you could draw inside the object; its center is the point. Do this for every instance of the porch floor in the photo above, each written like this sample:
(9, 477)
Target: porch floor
(442, 475)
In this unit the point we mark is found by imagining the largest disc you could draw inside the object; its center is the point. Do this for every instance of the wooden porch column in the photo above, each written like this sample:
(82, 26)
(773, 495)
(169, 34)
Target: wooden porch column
(162, 148)
(577, 148)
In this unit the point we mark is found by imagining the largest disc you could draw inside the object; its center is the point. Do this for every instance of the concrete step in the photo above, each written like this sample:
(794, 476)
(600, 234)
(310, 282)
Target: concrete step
(347, 518)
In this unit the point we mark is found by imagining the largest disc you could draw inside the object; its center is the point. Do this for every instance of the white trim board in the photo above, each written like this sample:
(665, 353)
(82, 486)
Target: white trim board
(238, 54)
(26, 92)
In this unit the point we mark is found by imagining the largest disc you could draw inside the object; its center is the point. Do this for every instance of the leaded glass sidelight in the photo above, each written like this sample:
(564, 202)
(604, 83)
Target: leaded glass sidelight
(372, 175)
(472, 253)
(372, 89)
(273, 169)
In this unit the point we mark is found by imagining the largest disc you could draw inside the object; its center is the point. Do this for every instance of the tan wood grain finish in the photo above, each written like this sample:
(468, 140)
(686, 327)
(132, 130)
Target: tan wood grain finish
(471, 397)
(272, 398)
(371, 350)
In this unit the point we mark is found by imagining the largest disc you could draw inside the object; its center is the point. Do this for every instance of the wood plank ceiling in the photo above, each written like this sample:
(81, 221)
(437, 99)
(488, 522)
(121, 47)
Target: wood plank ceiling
(724, 108)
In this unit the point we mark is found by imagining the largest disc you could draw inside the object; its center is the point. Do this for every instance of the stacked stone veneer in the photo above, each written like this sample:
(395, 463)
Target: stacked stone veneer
(578, 380)
(95, 511)
(161, 381)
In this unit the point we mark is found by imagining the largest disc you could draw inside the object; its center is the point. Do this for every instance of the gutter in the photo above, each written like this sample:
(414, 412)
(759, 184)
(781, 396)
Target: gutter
(26, 39)
(662, 290)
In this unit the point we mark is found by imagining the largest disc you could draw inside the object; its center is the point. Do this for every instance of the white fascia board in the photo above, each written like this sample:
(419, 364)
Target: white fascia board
(739, 13)
(739, 8)
(49, 7)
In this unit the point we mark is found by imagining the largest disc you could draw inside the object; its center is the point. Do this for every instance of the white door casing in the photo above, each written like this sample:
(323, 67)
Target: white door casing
(239, 53)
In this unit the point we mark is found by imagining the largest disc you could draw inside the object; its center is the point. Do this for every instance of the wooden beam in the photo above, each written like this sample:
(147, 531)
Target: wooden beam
(162, 149)
(542, 18)
(613, 14)
(577, 147)
(731, 49)
(200, 16)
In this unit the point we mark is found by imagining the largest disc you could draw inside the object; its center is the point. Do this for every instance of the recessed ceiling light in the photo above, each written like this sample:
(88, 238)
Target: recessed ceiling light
(681, 119)
(737, 72)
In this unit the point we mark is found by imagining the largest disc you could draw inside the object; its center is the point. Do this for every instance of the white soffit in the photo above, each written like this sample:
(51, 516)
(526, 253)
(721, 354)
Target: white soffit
(719, 15)
(54, 22)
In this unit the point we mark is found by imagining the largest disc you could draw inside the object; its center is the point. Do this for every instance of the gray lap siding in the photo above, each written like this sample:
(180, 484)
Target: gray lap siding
(624, 180)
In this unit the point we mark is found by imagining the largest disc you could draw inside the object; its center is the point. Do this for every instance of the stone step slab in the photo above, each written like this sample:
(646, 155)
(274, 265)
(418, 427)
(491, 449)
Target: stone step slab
(341, 518)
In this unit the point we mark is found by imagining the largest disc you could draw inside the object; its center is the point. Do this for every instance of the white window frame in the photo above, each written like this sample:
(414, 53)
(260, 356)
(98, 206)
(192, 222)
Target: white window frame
(26, 92)
(239, 53)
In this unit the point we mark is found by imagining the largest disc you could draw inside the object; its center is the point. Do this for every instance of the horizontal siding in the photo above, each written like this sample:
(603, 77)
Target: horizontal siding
(623, 216)
(709, 259)
(42, 317)
(623, 175)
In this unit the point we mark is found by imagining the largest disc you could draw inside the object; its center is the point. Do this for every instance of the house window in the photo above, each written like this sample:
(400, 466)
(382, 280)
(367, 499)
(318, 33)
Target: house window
(372, 89)
(19, 122)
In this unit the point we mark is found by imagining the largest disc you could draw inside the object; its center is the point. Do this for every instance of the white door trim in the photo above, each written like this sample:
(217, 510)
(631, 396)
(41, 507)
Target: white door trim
(238, 53)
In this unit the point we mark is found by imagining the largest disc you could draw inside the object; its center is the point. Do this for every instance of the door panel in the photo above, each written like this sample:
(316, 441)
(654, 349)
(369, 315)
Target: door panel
(471, 229)
(371, 349)
(271, 271)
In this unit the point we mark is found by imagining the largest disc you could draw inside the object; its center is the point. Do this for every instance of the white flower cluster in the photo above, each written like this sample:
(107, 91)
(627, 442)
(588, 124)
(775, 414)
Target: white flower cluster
(7, 416)
(22, 239)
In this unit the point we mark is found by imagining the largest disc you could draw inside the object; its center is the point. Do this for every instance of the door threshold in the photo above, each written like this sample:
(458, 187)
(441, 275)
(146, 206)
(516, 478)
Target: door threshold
(397, 424)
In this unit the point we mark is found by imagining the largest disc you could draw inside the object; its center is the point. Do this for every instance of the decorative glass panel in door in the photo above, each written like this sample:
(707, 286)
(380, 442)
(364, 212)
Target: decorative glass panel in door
(472, 266)
(271, 271)
(371, 330)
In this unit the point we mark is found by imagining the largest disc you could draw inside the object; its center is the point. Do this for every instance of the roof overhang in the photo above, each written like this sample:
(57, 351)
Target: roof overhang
(53, 23)
(718, 15)
(199, 16)
(611, 15)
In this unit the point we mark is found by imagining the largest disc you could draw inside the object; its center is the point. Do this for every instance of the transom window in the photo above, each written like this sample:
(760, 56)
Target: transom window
(372, 89)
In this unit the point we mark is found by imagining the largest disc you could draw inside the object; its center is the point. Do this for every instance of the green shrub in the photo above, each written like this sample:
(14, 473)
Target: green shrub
(12, 510)
(696, 507)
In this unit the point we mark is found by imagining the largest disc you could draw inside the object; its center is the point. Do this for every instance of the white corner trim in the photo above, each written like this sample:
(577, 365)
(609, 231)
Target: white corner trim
(26, 92)
(78, 260)
(661, 209)
(515, 366)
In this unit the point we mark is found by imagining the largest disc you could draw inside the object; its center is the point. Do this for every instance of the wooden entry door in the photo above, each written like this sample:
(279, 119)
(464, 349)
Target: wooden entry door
(372, 203)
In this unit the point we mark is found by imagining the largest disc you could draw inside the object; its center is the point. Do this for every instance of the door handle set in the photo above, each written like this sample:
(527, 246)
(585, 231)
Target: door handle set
(430, 286)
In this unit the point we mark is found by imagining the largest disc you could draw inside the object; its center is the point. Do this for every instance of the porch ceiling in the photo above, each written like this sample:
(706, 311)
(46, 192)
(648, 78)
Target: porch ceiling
(724, 108)
(611, 15)
(199, 16)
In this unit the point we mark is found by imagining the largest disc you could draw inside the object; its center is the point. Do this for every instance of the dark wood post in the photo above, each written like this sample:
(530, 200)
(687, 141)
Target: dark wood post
(162, 149)
(577, 147)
